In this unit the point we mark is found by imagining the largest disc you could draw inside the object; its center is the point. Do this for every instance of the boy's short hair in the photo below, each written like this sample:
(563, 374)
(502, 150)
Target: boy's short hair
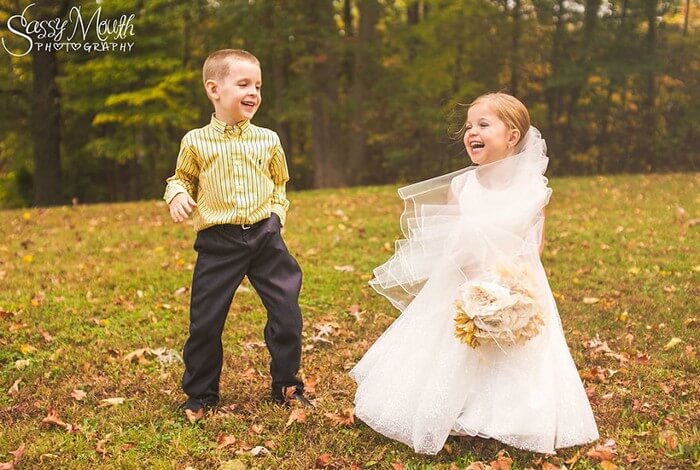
(217, 64)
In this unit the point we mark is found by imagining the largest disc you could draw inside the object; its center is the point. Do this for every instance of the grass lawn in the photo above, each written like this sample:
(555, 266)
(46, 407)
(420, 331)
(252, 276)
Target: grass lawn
(82, 288)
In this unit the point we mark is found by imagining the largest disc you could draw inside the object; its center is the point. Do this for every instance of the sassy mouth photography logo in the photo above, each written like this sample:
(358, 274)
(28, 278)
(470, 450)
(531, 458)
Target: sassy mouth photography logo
(70, 33)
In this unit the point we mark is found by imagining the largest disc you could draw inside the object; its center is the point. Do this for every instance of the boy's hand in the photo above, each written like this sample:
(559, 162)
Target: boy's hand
(181, 207)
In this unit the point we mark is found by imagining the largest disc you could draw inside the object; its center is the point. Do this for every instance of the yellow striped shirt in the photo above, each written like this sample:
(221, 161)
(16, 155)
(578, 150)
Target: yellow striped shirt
(236, 174)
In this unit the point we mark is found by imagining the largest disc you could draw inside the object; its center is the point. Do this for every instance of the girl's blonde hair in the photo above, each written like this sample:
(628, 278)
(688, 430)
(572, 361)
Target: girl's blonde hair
(508, 108)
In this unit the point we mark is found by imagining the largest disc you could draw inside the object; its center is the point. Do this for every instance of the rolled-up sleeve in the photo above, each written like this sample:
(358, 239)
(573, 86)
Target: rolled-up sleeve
(186, 177)
(280, 176)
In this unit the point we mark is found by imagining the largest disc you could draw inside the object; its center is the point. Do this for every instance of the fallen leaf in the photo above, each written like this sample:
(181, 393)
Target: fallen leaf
(45, 334)
(225, 440)
(18, 453)
(672, 343)
(310, 385)
(27, 349)
(502, 462)
(397, 466)
(345, 268)
(194, 416)
(259, 451)
(478, 465)
(5, 314)
(608, 465)
(605, 451)
(99, 447)
(669, 439)
(78, 394)
(298, 415)
(575, 458)
(355, 312)
(324, 460)
(14, 388)
(256, 428)
(21, 363)
(345, 418)
(111, 401)
(590, 300)
(53, 418)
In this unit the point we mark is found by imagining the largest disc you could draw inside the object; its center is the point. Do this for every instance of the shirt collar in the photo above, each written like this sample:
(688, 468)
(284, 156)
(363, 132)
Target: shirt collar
(241, 127)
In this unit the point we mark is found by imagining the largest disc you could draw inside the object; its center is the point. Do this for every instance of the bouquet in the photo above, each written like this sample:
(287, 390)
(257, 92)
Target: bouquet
(501, 309)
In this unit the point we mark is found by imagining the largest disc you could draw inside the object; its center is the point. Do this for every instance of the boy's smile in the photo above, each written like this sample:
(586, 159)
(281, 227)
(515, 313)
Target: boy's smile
(237, 96)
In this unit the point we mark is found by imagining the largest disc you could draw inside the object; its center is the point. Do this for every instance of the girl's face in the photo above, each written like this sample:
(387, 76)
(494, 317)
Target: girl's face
(487, 138)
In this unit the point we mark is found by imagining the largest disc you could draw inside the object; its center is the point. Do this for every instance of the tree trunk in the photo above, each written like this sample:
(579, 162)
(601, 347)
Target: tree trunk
(46, 117)
(650, 98)
(326, 147)
(614, 83)
(46, 130)
(515, 48)
(357, 148)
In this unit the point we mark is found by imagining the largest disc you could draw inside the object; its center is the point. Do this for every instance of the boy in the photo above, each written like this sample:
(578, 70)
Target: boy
(236, 172)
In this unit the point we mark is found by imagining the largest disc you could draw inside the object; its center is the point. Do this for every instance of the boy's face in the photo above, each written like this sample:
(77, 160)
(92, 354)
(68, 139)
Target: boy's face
(487, 137)
(237, 96)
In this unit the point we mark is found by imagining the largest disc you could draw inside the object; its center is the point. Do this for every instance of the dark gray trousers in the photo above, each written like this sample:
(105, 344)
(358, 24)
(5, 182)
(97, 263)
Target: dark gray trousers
(227, 253)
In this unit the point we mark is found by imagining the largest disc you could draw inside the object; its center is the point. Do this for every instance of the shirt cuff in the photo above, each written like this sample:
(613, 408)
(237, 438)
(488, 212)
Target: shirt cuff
(172, 190)
(279, 210)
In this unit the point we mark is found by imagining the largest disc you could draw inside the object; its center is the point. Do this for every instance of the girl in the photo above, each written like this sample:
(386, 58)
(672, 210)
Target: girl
(478, 348)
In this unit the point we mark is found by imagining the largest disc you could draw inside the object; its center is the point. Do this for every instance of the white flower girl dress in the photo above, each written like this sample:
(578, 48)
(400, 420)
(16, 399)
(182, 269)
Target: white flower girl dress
(418, 383)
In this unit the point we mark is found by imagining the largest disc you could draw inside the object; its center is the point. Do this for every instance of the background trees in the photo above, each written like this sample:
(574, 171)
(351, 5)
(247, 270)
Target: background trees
(360, 91)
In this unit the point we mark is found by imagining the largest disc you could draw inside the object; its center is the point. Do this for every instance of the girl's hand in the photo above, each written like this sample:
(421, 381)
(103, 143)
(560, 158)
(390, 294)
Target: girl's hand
(181, 207)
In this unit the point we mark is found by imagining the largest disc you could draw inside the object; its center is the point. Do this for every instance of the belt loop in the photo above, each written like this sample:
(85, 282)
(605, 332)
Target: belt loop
(245, 226)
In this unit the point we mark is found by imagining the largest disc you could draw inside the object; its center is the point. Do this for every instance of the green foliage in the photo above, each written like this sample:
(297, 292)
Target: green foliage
(607, 95)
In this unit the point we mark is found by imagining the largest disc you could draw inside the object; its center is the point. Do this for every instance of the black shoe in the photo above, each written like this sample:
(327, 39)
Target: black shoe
(194, 405)
(285, 397)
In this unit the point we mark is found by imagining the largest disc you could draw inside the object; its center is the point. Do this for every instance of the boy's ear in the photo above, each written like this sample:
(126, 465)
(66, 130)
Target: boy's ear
(212, 89)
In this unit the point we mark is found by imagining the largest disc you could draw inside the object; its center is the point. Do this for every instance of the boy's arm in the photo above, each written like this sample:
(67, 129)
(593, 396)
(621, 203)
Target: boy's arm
(280, 176)
(186, 177)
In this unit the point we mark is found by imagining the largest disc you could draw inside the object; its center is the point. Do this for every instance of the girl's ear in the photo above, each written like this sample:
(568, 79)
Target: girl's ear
(513, 138)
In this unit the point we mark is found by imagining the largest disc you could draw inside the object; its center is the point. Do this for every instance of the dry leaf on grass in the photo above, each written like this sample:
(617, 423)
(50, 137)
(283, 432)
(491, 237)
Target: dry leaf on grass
(502, 461)
(324, 460)
(297, 416)
(78, 394)
(15, 461)
(53, 418)
(345, 418)
(602, 452)
(310, 385)
(346, 268)
(14, 388)
(194, 416)
(256, 428)
(111, 401)
(225, 440)
(259, 451)
(478, 465)
(99, 447)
